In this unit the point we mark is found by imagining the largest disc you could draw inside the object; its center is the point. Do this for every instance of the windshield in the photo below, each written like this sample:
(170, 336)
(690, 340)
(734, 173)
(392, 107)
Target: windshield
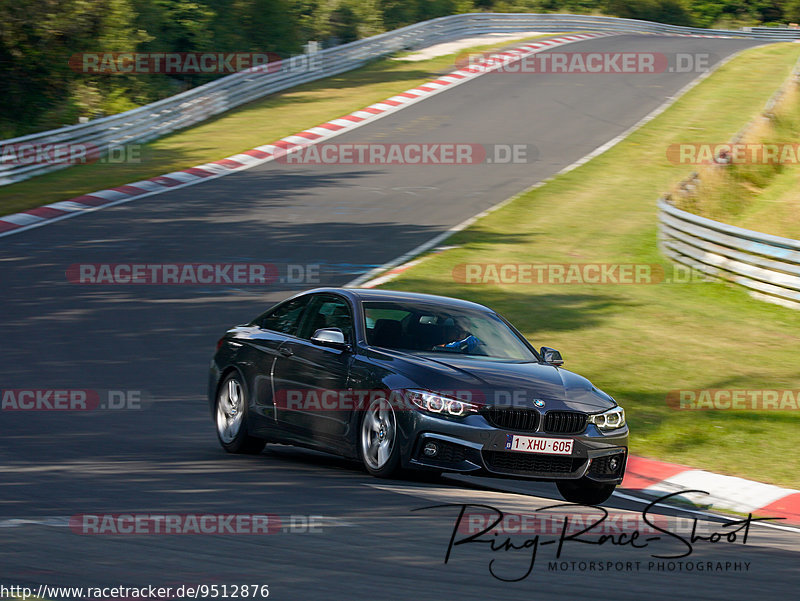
(430, 328)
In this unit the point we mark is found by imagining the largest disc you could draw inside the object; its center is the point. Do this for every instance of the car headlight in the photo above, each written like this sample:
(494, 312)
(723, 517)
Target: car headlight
(609, 420)
(438, 404)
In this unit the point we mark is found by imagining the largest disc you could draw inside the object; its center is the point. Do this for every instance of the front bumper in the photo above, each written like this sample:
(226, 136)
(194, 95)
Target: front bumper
(472, 445)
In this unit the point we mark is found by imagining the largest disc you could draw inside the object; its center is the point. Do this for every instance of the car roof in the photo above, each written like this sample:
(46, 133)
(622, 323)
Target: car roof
(371, 294)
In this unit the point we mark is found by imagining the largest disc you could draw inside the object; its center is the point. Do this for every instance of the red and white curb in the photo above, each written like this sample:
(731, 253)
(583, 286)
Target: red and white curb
(18, 222)
(659, 478)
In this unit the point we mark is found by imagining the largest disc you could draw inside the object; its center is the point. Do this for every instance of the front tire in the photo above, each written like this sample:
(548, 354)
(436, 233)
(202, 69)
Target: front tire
(378, 445)
(585, 491)
(230, 416)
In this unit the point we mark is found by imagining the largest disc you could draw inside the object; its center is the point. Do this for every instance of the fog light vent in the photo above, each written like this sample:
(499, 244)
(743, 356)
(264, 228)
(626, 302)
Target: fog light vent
(607, 465)
(431, 449)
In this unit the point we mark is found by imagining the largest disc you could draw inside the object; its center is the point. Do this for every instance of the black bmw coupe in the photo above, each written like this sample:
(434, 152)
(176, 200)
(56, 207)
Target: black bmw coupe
(413, 381)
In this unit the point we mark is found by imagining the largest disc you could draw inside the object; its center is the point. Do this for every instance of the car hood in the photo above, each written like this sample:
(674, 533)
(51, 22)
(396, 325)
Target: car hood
(503, 383)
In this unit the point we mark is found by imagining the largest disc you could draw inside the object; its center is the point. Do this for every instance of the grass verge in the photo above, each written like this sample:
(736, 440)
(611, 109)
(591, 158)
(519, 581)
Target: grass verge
(248, 126)
(638, 342)
(761, 197)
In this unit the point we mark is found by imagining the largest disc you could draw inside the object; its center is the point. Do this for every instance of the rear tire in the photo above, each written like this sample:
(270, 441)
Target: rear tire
(230, 416)
(585, 491)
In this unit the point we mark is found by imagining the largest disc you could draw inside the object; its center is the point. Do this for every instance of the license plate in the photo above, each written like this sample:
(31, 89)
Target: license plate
(539, 444)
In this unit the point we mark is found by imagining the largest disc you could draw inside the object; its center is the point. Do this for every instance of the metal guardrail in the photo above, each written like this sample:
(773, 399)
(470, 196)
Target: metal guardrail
(768, 266)
(795, 32)
(198, 104)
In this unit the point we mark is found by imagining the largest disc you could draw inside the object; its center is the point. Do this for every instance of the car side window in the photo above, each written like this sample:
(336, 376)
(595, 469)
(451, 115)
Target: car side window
(285, 318)
(385, 327)
(328, 311)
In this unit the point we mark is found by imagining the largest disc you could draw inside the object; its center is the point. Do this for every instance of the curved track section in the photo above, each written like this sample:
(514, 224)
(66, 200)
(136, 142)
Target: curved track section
(163, 458)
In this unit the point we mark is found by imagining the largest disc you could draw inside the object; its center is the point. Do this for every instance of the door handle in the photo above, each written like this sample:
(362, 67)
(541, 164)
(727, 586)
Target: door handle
(286, 351)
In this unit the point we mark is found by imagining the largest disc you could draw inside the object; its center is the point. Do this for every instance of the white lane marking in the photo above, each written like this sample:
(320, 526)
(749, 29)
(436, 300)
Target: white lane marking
(22, 218)
(425, 246)
(345, 123)
(245, 159)
(322, 131)
(389, 276)
(67, 205)
(108, 194)
(212, 168)
(295, 139)
(146, 185)
(270, 148)
(182, 176)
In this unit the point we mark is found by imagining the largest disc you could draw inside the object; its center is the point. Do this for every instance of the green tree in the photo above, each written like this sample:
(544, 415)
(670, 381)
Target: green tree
(792, 11)
(672, 12)
(38, 88)
(344, 24)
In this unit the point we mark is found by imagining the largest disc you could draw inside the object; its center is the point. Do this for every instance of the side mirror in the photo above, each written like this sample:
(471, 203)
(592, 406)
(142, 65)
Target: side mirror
(330, 337)
(551, 356)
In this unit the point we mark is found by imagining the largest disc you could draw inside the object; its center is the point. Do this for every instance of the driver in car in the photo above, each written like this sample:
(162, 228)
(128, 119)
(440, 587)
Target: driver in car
(464, 341)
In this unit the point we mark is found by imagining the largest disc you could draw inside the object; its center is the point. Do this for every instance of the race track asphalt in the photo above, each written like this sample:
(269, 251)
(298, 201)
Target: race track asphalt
(164, 457)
